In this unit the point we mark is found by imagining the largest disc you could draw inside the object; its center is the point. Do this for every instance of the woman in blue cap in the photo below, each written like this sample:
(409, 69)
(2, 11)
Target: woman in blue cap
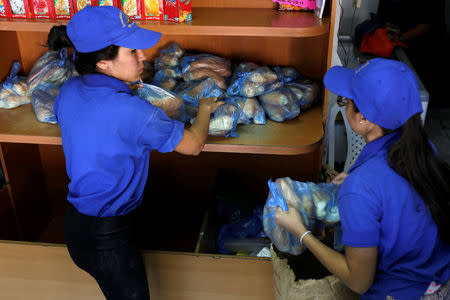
(394, 204)
(107, 136)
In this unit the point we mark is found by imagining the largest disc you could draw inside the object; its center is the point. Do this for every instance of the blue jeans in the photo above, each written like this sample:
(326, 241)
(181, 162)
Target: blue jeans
(106, 249)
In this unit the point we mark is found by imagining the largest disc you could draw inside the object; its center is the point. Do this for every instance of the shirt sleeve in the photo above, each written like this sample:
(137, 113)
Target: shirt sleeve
(161, 133)
(360, 219)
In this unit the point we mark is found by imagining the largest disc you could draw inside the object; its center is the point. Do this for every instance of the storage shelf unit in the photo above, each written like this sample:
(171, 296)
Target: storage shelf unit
(33, 160)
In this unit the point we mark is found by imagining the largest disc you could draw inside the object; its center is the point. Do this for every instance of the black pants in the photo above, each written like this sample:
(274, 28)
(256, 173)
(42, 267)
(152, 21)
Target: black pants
(106, 249)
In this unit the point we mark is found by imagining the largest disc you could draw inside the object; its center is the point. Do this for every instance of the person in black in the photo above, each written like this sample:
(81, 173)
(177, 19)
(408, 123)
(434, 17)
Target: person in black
(421, 26)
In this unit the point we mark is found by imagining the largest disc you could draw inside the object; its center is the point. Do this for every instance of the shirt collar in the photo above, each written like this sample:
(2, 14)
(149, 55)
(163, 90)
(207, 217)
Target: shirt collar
(375, 146)
(97, 80)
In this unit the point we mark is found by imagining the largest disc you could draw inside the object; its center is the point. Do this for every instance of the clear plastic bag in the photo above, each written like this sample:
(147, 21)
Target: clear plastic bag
(253, 83)
(280, 105)
(224, 120)
(317, 203)
(169, 57)
(13, 91)
(307, 92)
(172, 105)
(287, 74)
(43, 98)
(193, 91)
(54, 67)
(252, 111)
(219, 65)
(163, 81)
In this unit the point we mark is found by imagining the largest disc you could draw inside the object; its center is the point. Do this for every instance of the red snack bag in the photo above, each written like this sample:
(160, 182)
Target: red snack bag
(63, 9)
(177, 10)
(42, 9)
(132, 8)
(5, 10)
(152, 9)
(80, 4)
(19, 8)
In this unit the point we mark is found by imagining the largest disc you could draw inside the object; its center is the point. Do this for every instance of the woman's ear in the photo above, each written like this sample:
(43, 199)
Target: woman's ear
(103, 65)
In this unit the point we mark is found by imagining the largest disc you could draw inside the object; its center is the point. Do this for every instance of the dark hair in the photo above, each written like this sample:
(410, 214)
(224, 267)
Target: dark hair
(414, 158)
(85, 63)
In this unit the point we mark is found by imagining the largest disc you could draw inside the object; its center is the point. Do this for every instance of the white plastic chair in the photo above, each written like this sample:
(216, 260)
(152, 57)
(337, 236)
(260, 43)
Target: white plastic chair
(355, 142)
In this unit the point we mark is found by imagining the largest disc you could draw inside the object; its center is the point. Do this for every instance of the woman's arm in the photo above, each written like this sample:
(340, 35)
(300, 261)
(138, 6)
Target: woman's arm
(194, 137)
(356, 269)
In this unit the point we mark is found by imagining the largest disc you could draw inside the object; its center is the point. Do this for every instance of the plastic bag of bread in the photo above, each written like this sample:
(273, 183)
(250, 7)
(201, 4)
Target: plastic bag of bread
(169, 57)
(224, 120)
(280, 105)
(163, 81)
(203, 73)
(148, 73)
(254, 83)
(306, 91)
(317, 204)
(193, 91)
(43, 98)
(54, 67)
(252, 111)
(221, 66)
(287, 74)
(13, 91)
(172, 105)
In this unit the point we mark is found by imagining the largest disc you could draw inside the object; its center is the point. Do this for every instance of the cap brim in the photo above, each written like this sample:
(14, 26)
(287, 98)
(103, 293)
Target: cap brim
(139, 39)
(339, 81)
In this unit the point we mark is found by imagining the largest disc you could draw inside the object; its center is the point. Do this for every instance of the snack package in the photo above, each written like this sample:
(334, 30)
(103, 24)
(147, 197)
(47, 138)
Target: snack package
(177, 10)
(19, 8)
(42, 9)
(80, 4)
(132, 8)
(5, 10)
(63, 9)
(153, 9)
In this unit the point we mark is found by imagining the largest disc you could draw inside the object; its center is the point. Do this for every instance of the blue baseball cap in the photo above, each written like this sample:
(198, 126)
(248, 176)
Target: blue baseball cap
(96, 27)
(385, 91)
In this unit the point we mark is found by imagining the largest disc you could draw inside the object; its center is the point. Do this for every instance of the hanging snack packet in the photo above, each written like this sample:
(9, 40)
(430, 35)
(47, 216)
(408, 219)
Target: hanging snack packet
(132, 8)
(19, 8)
(177, 10)
(153, 10)
(63, 9)
(5, 10)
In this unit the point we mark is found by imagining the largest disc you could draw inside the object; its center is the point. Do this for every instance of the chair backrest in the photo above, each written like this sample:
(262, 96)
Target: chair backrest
(355, 142)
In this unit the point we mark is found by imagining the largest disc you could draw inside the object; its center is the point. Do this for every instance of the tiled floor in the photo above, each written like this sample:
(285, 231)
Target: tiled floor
(437, 126)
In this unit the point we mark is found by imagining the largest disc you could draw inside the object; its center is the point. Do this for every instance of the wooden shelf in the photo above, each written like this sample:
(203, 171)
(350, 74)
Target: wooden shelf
(213, 22)
(298, 136)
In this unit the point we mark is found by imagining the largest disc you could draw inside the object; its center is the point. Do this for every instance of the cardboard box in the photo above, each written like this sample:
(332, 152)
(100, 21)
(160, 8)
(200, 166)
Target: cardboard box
(18, 8)
(177, 10)
(287, 288)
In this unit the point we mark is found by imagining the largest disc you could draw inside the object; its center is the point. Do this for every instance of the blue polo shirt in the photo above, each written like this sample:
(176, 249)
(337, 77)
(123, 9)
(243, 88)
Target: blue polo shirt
(380, 208)
(107, 136)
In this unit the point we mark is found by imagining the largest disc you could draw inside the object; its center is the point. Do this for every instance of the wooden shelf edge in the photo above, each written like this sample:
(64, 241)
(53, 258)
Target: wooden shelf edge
(253, 149)
(225, 148)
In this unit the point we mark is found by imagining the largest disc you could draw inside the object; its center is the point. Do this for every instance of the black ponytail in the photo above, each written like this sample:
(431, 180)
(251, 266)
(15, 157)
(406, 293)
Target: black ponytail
(413, 157)
(85, 63)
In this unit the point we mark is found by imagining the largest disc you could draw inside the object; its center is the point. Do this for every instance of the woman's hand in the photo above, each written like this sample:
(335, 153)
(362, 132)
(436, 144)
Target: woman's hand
(339, 179)
(290, 220)
(210, 104)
